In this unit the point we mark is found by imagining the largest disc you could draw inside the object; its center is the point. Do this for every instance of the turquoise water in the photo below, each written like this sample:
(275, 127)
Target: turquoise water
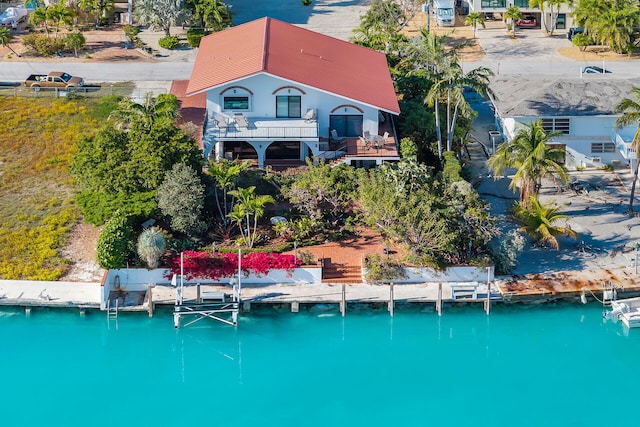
(552, 365)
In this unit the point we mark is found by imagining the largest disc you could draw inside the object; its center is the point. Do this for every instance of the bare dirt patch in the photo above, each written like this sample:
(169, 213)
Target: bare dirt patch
(81, 251)
(460, 33)
(100, 46)
(580, 55)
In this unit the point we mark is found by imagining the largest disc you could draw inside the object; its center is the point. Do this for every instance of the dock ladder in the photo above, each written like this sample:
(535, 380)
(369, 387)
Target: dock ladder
(112, 311)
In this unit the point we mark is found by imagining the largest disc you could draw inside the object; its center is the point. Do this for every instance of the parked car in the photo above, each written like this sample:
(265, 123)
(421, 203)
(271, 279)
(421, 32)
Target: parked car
(592, 69)
(573, 31)
(526, 22)
(55, 79)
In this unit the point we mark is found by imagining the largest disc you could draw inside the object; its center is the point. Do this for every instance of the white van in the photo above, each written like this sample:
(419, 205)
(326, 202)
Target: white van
(445, 13)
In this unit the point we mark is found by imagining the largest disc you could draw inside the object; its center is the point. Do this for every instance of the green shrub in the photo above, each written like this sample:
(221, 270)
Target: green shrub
(298, 229)
(505, 251)
(307, 258)
(582, 41)
(452, 169)
(194, 35)
(131, 32)
(383, 269)
(115, 243)
(43, 45)
(169, 42)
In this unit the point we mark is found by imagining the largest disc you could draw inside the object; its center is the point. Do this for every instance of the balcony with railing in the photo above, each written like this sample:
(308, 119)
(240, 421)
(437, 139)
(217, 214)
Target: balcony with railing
(624, 145)
(247, 128)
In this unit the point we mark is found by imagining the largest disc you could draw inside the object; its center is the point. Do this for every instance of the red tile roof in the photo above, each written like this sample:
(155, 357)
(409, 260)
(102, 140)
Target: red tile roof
(192, 109)
(274, 47)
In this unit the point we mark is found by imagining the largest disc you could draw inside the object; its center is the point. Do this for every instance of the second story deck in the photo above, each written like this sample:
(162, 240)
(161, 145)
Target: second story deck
(247, 128)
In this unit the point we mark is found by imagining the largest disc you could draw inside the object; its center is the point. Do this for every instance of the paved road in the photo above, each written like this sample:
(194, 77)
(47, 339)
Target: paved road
(531, 53)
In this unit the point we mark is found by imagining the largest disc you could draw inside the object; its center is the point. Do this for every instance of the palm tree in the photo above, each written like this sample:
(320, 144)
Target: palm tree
(474, 18)
(129, 112)
(40, 16)
(212, 14)
(225, 175)
(452, 82)
(248, 205)
(161, 14)
(631, 114)
(151, 246)
(429, 57)
(513, 13)
(539, 221)
(533, 158)
(99, 7)
(5, 38)
(60, 14)
(616, 28)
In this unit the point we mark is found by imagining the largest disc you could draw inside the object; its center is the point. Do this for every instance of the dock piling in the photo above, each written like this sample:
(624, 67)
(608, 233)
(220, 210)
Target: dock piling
(27, 311)
(487, 303)
(343, 301)
(295, 307)
(391, 299)
(439, 300)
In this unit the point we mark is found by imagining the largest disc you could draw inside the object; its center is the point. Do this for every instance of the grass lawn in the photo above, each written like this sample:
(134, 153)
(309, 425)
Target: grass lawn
(36, 190)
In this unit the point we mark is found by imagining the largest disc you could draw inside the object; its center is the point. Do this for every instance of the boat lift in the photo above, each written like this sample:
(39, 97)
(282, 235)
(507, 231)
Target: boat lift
(214, 305)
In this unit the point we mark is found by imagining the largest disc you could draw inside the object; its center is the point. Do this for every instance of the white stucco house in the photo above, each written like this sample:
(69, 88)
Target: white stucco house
(277, 94)
(542, 19)
(582, 109)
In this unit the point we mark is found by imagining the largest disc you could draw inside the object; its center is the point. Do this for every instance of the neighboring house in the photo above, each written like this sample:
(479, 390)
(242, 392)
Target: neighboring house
(277, 94)
(543, 19)
(581, 109)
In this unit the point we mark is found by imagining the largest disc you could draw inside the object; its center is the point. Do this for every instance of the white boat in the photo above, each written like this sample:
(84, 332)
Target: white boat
(13, 14)
(626, 310)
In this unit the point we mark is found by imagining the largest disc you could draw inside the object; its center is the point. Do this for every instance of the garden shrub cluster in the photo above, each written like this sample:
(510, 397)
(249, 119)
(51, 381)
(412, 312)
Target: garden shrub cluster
(43, 45)
(169, 42)
(194, 35)
(206, 265)
(115, 243)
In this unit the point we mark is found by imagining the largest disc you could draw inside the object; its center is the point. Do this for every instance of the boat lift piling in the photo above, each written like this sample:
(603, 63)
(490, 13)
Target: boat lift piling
(213, 305)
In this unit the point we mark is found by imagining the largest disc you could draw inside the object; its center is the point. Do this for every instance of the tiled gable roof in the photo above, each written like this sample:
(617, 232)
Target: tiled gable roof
(302, 56)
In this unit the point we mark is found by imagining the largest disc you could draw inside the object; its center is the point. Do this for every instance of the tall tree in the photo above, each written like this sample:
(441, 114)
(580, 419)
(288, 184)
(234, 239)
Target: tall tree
(631, 114)
(164, 107)
(452, 83)
(5, 38)
(473, 19)
(181, 199)
(614, 23)
(211, 14)
(513, 13)
(39, 17)
(249, 209)
(554, 9)
(533, 160)
(161, 14)
(101, 8)
(225, 175)
(75, 41)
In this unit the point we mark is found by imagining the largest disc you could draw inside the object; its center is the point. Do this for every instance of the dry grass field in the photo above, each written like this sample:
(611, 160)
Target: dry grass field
(36, 189)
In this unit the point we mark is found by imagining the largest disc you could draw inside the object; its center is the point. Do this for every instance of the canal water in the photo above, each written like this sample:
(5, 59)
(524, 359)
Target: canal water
(547, 365)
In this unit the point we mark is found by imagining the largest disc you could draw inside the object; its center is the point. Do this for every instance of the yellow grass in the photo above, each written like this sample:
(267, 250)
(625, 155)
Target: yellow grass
(36, 190)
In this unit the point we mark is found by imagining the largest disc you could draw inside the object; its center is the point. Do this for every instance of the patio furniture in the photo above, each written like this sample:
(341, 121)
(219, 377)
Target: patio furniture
(335, 137)
(222, 121)
(310, 115)
(364, 142)
(379, 141)
(241, 120)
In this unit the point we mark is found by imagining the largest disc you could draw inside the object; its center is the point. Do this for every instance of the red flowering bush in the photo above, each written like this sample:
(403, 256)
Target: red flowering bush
(205, 265)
